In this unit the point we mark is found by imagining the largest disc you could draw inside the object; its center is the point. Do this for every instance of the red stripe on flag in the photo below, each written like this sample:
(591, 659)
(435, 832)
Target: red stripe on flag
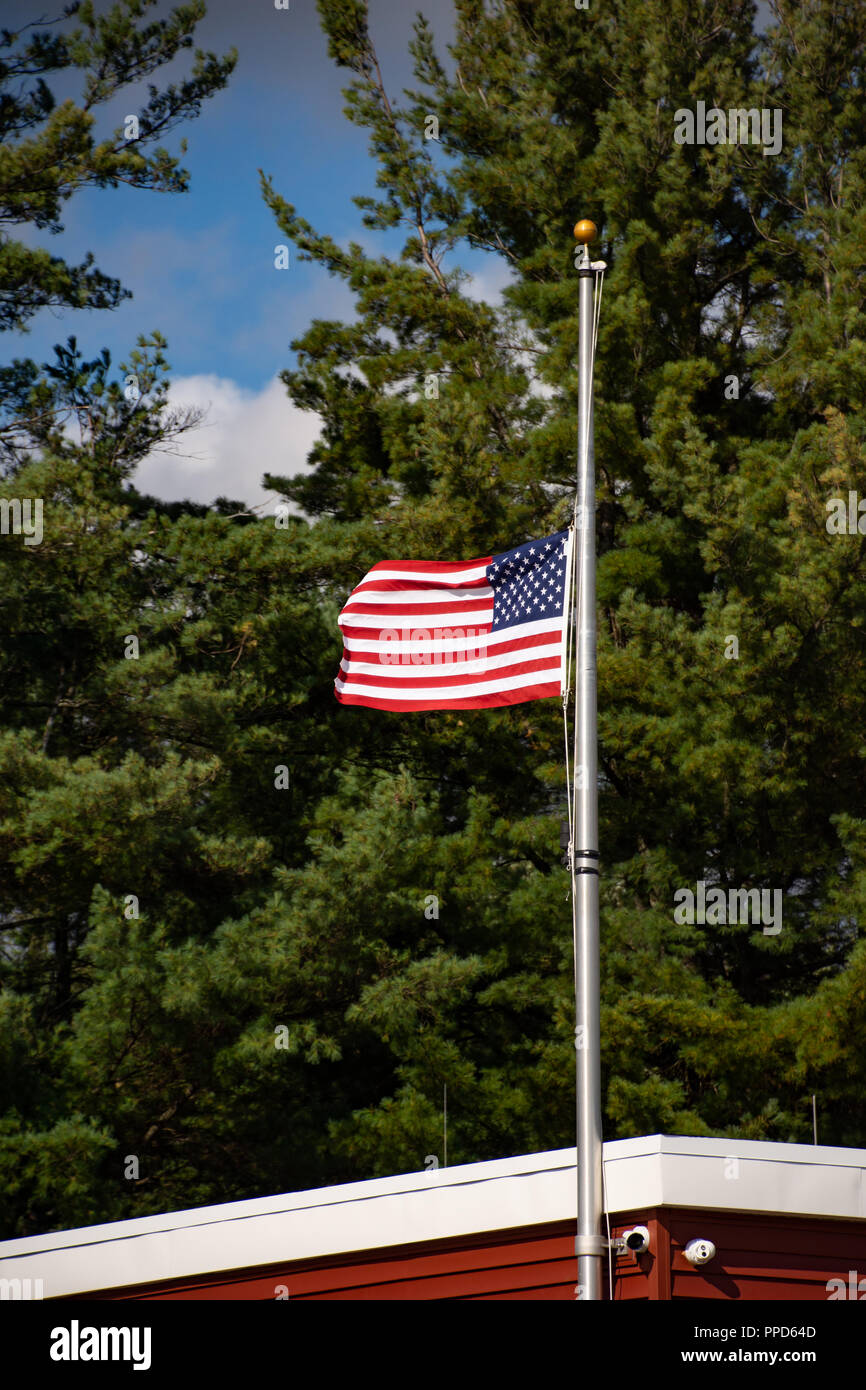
(420, 610)
(491, 701)
(438, 567)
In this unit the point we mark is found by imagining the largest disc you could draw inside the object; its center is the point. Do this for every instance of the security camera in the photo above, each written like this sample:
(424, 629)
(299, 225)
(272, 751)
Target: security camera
(637, 1239)
(699, 1252)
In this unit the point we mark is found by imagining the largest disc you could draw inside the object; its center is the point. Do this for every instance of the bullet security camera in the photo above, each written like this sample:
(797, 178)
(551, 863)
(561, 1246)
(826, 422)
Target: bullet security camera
(699, 1252)
(637, 1240)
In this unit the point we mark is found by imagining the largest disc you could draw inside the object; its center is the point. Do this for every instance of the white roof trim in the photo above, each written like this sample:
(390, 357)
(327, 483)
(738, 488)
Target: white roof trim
(531, 1189)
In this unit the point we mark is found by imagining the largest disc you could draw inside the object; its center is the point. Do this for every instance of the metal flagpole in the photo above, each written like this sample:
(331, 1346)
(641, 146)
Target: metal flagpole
(590, 1246)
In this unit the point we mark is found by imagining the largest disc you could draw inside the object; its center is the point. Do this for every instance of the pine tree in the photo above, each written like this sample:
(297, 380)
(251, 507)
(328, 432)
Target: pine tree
(337, 913)
(732, 768)
(49, 150)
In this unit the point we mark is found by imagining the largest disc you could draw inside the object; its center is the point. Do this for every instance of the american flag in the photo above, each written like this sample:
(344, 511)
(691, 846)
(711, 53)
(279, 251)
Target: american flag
(436, 635)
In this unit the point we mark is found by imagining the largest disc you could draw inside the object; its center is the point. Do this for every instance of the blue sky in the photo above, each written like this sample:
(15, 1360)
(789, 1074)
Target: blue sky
(201, 264)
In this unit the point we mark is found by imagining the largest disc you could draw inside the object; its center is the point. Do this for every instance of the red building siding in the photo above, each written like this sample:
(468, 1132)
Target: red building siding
(759, 1257)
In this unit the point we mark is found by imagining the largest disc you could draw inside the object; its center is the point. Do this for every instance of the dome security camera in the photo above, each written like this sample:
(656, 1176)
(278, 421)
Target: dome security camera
(637, 1240)
(699, 1252)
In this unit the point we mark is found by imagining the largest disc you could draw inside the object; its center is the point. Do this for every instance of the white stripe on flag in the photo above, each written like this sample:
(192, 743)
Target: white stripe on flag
(452, 692)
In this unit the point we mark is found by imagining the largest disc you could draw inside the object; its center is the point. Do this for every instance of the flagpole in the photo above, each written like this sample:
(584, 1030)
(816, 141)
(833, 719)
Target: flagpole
(590, 1246)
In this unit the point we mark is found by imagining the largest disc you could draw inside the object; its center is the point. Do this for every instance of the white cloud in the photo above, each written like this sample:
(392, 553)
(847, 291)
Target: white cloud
(244, 435)
(487, 283)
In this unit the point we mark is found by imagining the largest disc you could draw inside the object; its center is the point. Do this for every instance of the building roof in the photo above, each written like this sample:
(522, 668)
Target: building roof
(530, 1189)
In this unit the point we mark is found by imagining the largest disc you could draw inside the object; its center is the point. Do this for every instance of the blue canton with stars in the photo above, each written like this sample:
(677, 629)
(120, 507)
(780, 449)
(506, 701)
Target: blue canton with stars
(529, 582)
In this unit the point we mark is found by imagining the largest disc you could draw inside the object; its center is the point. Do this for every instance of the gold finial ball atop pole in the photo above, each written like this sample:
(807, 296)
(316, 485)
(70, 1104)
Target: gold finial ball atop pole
(585, 231)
